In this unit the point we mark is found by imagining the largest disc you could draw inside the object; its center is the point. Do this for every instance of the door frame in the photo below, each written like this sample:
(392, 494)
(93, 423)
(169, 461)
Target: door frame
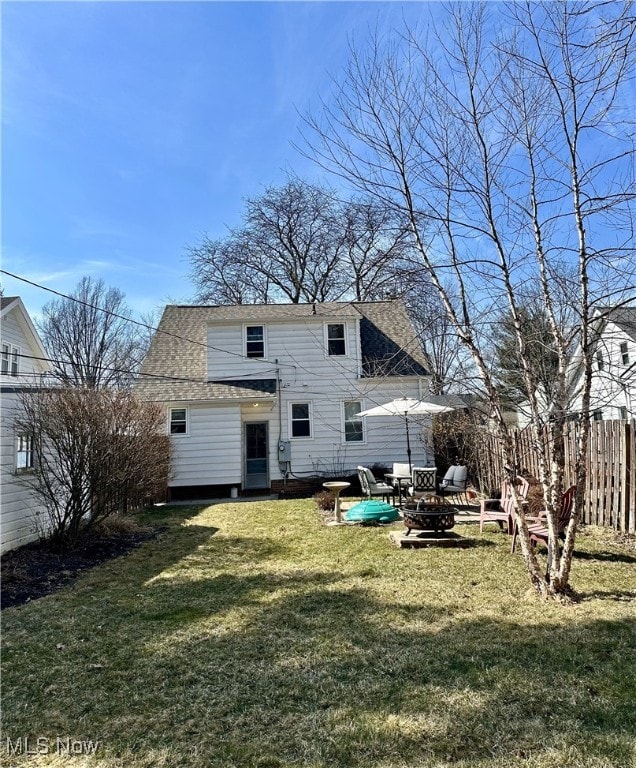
(246, 486)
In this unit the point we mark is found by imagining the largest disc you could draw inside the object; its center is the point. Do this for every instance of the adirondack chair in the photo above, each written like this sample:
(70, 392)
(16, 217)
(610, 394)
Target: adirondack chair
(501, 511)
(371, 487)
(538, 526)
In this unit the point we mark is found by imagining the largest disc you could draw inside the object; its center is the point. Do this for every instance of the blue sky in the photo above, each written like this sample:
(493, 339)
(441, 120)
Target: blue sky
(130, 129)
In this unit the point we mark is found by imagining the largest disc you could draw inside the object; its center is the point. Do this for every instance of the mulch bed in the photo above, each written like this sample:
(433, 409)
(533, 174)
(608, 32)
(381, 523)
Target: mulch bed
(36, 570)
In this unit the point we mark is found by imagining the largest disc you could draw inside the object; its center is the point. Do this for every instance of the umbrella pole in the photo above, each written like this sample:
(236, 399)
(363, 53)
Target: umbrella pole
(408, 442)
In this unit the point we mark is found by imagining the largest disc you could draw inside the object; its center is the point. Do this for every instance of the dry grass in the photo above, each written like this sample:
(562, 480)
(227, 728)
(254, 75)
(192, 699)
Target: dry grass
(254, 635)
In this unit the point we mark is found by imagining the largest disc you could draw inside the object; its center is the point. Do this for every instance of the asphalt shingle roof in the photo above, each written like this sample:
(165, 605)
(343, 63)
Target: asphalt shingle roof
(625, 319)
(175, 367)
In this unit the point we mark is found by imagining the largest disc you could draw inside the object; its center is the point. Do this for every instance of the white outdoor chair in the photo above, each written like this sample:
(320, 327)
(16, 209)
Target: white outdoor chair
(455, 481)
(371, 487)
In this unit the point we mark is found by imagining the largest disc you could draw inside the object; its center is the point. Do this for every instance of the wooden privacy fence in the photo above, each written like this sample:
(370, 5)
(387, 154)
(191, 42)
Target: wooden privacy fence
(610, 494)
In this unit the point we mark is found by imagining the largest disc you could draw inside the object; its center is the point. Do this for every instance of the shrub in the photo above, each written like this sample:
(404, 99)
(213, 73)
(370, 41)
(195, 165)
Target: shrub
(325, 500)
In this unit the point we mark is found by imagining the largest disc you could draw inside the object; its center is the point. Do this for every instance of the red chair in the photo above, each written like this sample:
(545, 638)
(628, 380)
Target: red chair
(538, 528)
(502, 510)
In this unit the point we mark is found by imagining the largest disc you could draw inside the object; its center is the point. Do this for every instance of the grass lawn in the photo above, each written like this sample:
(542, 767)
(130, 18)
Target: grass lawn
(254, 635)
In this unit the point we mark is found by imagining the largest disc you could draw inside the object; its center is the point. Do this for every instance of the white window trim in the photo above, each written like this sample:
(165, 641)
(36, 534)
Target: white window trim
(254, 325)
(29, 468)
(343, 423)
(14, 352)
(623, 352)
(309, 403)
(326, 339)
(172, 408)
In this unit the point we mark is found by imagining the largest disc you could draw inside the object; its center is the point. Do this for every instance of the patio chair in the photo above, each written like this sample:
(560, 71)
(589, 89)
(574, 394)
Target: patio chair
(371, 487)
(455, 481)
(402, 470)
(424, 481)
(499, 510)
(538, 527)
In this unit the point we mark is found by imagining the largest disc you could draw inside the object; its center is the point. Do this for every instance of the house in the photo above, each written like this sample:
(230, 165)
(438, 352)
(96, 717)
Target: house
(613, 385)
(258, 396)
(613, 392)
(23, 366)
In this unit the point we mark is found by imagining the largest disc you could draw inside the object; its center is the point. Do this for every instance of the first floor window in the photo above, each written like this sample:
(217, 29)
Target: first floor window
(353, 432)
(24, 453)
(600, 363)
(597, 415)
(178, 421)
(624, 412)
(300, 420)
(624, 353)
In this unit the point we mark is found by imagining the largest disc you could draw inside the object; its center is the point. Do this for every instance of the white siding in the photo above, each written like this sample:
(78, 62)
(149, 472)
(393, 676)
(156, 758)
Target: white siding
(299, 347)
(614, 386)
(385, 437)
(210, 454)
(22, 517)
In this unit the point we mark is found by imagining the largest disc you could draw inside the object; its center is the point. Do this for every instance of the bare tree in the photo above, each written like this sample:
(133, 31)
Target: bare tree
(451, 370)
(89, 337)
(516, 149)
(300, 243)
(96, 452)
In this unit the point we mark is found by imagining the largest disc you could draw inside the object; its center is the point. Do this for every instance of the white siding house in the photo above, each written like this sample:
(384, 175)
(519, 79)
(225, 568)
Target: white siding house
(256, 396)
(613, 392)
(613, 386)
(22, 367)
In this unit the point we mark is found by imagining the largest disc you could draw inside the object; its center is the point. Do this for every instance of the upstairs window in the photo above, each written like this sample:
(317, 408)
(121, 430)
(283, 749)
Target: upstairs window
(178, 421)
(9, 360)
(300, 420)
(24, 461)
(336, 339)
(600, 362)
(353, 431)
(624, 353)
(254, 341)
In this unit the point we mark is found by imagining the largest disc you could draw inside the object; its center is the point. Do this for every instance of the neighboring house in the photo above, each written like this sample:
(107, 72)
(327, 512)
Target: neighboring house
(613, 388)
(23, 366)
(613, 393)
(258, 395)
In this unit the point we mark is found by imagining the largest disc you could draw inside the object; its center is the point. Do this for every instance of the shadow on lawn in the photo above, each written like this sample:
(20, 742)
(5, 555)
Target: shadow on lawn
(608, 557)
(314, 676)
(294, 666)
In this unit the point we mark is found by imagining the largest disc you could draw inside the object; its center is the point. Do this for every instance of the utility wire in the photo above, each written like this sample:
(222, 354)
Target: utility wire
(125, 370)
(140, 323)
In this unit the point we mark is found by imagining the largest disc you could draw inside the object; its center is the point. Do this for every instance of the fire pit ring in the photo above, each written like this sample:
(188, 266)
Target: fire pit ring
(429, 517)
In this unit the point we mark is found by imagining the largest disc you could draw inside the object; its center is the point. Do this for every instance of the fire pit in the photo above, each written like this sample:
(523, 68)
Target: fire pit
(429, 517)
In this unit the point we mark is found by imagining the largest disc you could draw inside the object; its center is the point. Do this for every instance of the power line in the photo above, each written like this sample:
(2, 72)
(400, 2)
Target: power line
(140, 323)
(128, 371)
(295, 364)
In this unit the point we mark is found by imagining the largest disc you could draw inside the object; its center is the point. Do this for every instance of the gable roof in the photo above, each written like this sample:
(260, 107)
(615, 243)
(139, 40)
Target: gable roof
(14, 303)
(175, 367)
(622, 317)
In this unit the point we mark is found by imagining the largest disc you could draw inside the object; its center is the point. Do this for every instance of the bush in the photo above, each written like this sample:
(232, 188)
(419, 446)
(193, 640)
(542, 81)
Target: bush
(96, 453)
(325, 500)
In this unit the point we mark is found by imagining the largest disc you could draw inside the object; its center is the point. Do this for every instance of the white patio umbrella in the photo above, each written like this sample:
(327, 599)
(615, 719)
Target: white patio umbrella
(405, 407)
